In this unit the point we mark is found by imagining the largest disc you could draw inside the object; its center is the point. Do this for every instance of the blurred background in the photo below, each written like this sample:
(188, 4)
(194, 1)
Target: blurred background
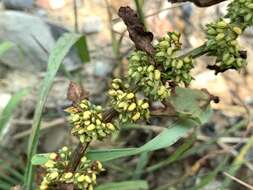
(30, 29)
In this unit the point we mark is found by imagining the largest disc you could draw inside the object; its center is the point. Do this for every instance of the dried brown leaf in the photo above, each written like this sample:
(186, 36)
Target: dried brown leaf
(199, 3)
(76, 93)
(141, 38)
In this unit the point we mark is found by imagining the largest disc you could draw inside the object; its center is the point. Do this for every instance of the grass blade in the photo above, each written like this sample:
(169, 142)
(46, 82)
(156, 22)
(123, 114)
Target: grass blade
(126, 185)
(60, 50)
(4, 47)
(83, 50)
(9, 108)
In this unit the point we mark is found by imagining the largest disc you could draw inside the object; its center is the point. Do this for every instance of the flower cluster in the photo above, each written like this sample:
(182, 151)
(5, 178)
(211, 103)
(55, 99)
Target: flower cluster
(56, 173)
(176, 69)
(151, 75)
(88, 123)
(222, 43)
(130, 109)
(241, 12)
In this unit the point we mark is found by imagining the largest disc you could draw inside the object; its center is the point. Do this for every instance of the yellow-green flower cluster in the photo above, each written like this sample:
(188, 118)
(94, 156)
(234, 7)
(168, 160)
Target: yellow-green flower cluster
(146, 76)
(88, 123)
(241, 12)
(125, 102)
(176, 70)
(222, 43)
(84, 178)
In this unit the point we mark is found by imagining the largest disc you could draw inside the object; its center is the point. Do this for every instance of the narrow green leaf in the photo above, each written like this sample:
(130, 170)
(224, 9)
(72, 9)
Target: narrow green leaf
(164, 139)
(56, 57)
(10, 107)
(4, 47)
(40, 159)
(125, 185)
(83, 50)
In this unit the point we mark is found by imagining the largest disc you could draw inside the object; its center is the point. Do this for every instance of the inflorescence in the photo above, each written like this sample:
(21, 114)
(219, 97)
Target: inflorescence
(84, 178)
(88, 123)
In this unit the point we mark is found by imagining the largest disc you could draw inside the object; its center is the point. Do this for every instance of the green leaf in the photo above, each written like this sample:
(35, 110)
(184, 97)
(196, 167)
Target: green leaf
(83, 49)
(183, 101)
(191, 103)
(4, 47)
(125, 185)
(10, 107)
(165, 139)
(40, 159)
(56, 57)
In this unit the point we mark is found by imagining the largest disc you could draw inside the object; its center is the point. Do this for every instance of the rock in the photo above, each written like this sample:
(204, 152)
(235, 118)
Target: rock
(18, 4)
(92, 24)
(25, 31)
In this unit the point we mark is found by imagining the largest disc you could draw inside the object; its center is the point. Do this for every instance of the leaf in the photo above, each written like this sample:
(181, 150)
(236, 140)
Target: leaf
(56, 57)
(200, 3)
(125, 185)
(83, 50)
(4, 47)
(40, 159)
(169, 136)
(191, 103)
(141, 38)
(164, 139)
(10, 107)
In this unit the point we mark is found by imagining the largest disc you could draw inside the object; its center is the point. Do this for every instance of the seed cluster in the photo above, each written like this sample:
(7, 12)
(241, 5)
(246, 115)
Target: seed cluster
(222, 43)
(88, 123)
(55, 167)
(176, 70)
(241, 12)
(151, 74)
(126, 103)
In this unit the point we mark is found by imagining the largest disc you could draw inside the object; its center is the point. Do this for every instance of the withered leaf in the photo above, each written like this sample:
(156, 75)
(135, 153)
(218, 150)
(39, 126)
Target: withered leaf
(199, 3)
(141, 38)
(76, 93)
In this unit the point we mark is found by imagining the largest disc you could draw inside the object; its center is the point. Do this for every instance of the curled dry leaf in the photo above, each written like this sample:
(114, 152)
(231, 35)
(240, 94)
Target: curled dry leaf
(141, 38)
(76, 93)
(199, 3)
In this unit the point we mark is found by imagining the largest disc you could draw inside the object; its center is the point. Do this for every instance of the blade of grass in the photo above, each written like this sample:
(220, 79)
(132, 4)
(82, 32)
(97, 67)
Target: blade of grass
(83, 50)
(5, 46)
(9, 108)
(211, 175)
(125, 185)
(139, 6)
(237, 163)
(143, 160)
(56, 57)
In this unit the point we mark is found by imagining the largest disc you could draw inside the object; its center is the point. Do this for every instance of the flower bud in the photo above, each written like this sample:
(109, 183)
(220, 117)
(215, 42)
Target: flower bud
(145, 105)
(53, 156)
(130, 96)
(86, 115)
(157, 74)
(91, 127)
(136, 116)
(68, 175)
(132, 107)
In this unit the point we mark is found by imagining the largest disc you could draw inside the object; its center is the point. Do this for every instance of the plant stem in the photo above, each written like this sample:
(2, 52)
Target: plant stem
(196, 52)
(141, 16)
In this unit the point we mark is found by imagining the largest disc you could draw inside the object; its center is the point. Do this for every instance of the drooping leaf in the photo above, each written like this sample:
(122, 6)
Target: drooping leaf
(183, 101)
(56, 57)
(125, 185)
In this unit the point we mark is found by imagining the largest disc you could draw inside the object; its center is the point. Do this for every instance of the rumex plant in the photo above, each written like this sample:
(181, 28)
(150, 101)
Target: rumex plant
(155, 70)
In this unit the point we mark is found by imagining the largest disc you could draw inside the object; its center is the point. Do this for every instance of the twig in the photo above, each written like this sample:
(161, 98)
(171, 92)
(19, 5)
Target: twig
(238, 181)
(45, 125)
(76, 16)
